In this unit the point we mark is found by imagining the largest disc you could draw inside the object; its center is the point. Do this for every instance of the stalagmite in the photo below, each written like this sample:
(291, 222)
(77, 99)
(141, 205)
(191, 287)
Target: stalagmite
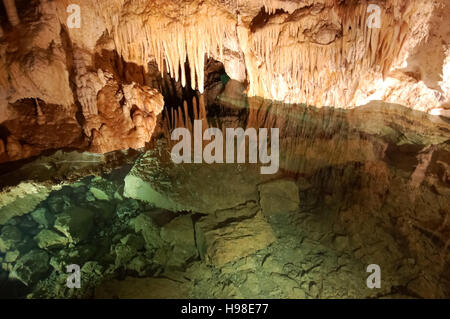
(11, 11)
(88, 83)
(1, 31)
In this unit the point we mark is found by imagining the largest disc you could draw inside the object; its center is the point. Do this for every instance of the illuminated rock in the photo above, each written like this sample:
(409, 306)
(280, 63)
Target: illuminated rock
(321, 53)
(279, 197)
(75, 223)
(48, 239)
(30, 267)
(9, 237)
(232, 234)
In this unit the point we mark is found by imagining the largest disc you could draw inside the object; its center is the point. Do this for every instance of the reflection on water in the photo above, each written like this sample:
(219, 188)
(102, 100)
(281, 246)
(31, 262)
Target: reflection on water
(355, 187)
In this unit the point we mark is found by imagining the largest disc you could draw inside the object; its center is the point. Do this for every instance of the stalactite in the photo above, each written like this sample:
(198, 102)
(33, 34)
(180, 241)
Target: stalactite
(180, 118)
(295, 58)
(39, 114)
(11, 11)
(292, 72)
(171, 42)
(269, 6)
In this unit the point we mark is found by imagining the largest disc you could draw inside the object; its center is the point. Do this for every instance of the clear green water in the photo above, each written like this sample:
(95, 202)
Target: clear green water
(355, 188)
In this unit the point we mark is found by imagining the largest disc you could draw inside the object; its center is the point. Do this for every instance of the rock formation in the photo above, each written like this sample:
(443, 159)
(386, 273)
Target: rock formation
(360, 93)
(11, 11)
(319, 52)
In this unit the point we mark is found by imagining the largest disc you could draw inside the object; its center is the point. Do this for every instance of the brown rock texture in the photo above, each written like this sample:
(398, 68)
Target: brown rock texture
(319, 52)
(231, 234)
(55, 94)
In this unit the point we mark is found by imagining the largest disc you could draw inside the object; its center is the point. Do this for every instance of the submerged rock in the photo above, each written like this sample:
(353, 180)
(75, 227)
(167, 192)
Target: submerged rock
(31, 267)
(138, 188)
(43, 217)
(141, 288)
(124, 254)
(76, 223)
(192, 187)
(92, 272)
(99, 194)
(48, 239)
(21, 199)
(11, 256)
(10, 236)
(58, 203)
(139, 265)
(150, 231)
(179, 234)
(102, 189)
(279, 197)
(234, 234)
(79, 255)
(127, 208)
(134, 241)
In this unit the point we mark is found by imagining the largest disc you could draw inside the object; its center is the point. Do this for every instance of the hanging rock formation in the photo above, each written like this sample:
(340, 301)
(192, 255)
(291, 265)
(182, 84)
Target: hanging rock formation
(319, 52)
(11, 11)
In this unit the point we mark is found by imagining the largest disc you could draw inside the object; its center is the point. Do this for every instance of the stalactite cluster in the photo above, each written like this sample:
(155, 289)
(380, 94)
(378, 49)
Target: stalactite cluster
(322, 53)
(301, 61)
(171, 41)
